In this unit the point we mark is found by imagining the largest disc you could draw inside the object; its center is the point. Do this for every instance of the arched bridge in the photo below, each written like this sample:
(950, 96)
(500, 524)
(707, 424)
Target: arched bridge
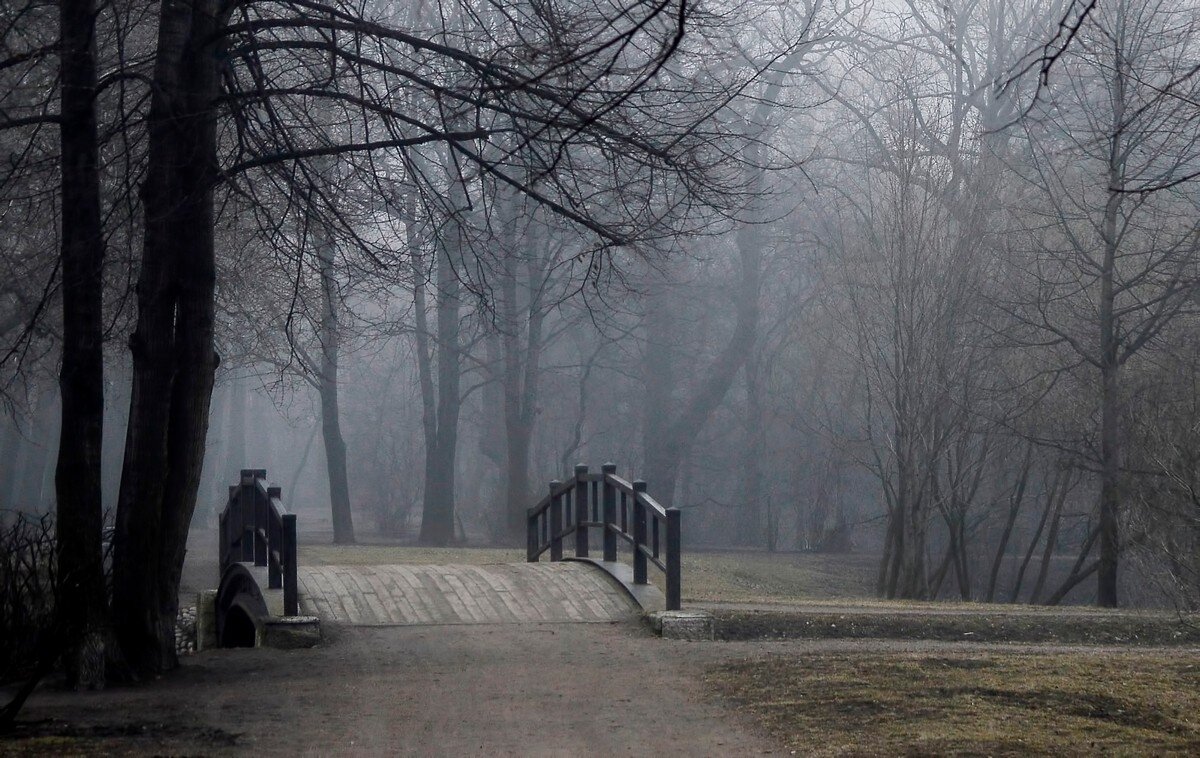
(263, 588)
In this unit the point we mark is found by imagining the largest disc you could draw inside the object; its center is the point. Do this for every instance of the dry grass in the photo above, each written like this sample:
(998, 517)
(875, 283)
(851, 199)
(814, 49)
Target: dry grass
(1079, 703)
(750, 577)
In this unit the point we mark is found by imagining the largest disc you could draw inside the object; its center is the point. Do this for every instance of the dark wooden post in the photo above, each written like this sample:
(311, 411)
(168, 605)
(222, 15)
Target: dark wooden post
(531, 536)
(674, 559)
(581, 511)
(246, 515)
(260, 527)
(274, 540)
(639, 533)
(556, 522)
(291, 592)
(609, 499)
(232, 523)
(222, 540)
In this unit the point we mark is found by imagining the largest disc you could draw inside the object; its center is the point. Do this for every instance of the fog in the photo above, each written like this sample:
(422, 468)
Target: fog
(909, 281)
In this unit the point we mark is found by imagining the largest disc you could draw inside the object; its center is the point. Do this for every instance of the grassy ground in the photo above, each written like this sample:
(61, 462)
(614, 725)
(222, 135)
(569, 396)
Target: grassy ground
(1078, 703)
(981, 623)
(750, 577)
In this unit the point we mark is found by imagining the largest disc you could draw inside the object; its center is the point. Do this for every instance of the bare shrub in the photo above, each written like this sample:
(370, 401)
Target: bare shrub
(27, 587)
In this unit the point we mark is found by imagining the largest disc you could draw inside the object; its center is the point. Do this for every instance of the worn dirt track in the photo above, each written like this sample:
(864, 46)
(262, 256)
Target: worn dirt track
(504, 689)
(441, 690)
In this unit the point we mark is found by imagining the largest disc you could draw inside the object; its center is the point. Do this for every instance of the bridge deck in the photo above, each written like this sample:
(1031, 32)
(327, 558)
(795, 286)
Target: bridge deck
(459, 594)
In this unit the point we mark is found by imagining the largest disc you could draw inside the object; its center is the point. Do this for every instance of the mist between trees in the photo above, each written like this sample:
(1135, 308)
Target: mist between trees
(909, 279)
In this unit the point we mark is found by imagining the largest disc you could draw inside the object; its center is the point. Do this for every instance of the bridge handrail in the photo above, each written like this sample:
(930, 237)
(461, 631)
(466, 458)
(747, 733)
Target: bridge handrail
(256, 527)
(614, 505)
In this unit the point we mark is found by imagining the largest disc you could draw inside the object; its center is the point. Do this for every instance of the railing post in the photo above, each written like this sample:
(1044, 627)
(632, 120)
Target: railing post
(556, 522)
(274, 540)
(608, 498)
(245, 517)
(674, 559)
(230, 524)
(581, 511)
(222, 540)
(291, 593)
(260, 527)
(531, 537)
(639, 533)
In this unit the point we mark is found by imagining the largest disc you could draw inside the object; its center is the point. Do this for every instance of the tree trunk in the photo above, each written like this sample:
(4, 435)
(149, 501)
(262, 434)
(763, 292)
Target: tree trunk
(437, 521)
(81, 601)
(331, 425)
(749, 519)
(1014, 508)
(666, 435)
(522, 371)
(235, 432)
(1110, 462)
(173, 358)
(1048, 551)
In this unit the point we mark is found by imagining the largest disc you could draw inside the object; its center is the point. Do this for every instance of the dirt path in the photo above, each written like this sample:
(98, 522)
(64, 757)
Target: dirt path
(496, 690)
(541, 689)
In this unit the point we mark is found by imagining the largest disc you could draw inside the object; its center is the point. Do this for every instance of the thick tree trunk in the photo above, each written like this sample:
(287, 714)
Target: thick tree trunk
(81, 602)
(517, 492)
(909, 578)
(173, 357)
(658, 364)
(331, 424)
(667, 435)
(437, 520)
(522, 372)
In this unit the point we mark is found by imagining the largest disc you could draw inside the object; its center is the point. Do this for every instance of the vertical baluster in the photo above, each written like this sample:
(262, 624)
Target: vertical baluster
(222, 541)
(654, 533)
(531, 535)
(556, 522)
(246, 515)
(674, 559)
(233, 523)
(260, 526)
(639, 533)
(609, 496)
(581, 511)
(291, 593)
(274, 538)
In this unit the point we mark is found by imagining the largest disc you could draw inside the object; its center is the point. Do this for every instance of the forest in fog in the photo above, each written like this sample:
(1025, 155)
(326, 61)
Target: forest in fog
(913, 279)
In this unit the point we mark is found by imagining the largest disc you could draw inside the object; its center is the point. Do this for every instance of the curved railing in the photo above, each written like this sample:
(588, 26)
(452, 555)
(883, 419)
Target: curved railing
(622, 510)
(256, 527)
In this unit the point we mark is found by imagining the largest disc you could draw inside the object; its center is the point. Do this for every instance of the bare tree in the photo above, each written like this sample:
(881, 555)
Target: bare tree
(1114, 261)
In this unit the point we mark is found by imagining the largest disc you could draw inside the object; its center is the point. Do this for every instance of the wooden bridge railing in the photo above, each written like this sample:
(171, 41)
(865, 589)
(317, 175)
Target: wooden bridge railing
(622, 510)
(255, 527)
